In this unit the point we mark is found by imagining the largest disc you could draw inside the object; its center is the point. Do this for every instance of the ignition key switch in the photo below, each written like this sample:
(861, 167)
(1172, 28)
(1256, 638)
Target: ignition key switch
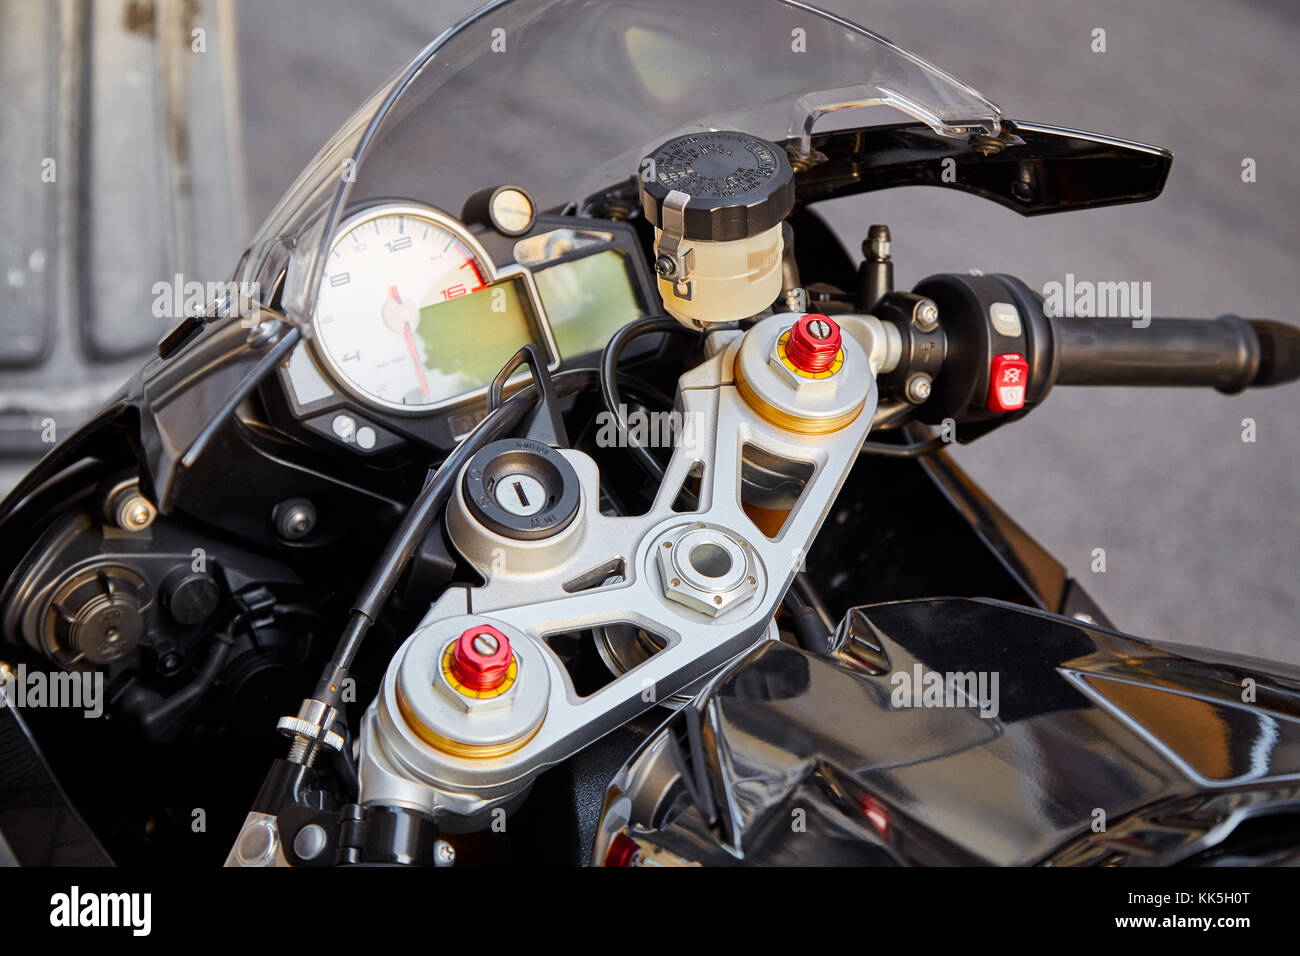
(522, 489)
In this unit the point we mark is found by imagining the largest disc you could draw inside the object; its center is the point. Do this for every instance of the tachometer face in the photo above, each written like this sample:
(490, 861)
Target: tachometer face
(387, 264)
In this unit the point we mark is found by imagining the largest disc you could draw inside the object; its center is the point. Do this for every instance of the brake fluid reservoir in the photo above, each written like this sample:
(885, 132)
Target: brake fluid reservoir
(717, 201)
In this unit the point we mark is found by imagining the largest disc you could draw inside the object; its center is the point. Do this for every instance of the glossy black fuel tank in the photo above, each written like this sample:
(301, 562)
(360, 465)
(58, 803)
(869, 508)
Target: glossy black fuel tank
(1026, 739)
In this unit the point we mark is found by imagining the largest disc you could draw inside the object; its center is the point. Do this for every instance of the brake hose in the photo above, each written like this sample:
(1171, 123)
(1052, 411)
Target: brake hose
(415, 524)
(917, 449)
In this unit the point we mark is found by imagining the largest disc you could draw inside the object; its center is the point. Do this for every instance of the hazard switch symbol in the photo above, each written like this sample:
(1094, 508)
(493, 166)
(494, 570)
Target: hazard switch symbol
(1008, 379)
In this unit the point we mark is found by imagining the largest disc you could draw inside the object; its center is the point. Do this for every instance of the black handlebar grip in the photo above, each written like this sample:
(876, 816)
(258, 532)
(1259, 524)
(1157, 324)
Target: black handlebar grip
(1279, 352)
(1227, 353)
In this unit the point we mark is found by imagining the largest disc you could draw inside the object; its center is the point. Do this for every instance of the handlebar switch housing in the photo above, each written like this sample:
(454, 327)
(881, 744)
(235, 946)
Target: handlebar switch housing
(984, 317)
(924, 341)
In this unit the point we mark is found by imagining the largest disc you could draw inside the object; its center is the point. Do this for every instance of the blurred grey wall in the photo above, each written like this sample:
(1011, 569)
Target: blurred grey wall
(120, 167)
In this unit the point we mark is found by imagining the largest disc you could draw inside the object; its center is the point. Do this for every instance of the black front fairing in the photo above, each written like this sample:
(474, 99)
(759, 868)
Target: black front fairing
(1099, 749)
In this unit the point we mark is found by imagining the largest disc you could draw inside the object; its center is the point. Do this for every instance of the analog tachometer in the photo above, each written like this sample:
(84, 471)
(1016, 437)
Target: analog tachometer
(387, 264)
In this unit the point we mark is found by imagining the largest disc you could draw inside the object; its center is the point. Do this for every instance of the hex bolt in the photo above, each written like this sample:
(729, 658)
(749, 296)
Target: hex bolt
(925, 316)
(707, 570)
(481, 658)
(876, 247)
(918, 388)
(813, 344)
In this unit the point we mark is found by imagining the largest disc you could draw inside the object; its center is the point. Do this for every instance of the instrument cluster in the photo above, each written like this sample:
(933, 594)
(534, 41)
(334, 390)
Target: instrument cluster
(418, 310)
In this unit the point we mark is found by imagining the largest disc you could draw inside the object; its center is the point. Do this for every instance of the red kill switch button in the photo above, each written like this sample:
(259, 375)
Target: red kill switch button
(814, 342)
(481, 658)
(1008, 379)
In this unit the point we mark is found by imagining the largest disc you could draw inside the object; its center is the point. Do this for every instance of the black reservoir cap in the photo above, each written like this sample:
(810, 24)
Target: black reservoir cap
(739, 185)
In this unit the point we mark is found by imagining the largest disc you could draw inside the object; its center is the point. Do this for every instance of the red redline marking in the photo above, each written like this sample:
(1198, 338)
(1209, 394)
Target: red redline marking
(478, 276)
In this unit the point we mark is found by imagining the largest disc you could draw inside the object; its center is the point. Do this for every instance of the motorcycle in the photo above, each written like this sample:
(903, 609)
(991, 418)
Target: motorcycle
(561, 489)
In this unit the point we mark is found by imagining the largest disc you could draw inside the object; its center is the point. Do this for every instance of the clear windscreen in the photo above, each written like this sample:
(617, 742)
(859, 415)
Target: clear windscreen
(563, 97)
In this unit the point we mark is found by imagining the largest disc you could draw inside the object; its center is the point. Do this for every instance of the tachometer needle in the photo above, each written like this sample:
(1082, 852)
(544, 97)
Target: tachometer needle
(411, 348)
(415, 357)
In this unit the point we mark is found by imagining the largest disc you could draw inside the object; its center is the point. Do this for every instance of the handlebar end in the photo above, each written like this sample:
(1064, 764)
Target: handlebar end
(1279, 347)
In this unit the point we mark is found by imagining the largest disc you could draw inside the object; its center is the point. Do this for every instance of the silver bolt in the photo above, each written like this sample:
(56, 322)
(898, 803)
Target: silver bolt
(485, 644)
(133, 511)
(138, 514)
(918, 388)
(294, 519)
(665, 267)
(444, 854)
(877, 244)
(926, 316)
(819, 329)
(300, 751)
(706, 569)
